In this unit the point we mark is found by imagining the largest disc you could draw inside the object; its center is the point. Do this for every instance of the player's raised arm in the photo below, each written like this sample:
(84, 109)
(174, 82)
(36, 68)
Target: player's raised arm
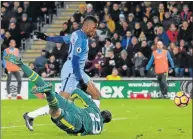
(57, 39)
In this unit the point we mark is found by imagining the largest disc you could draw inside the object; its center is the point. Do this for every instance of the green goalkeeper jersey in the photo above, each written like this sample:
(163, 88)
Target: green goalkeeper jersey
(92, 119)
(80, 121)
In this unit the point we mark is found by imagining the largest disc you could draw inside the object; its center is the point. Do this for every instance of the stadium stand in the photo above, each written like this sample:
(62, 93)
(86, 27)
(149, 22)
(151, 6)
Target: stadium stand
(125, 38)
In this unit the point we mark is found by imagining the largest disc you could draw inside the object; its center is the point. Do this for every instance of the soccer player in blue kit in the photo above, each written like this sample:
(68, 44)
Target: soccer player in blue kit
(72, 73)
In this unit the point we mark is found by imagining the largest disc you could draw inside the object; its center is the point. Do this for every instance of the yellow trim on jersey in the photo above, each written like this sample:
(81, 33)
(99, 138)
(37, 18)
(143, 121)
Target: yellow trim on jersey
(32, 74)
(74, 96)
(66, 123)
(35, 78)
(53, 102)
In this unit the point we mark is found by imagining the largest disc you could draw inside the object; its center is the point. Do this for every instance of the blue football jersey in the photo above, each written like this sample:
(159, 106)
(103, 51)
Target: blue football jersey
(78, 48)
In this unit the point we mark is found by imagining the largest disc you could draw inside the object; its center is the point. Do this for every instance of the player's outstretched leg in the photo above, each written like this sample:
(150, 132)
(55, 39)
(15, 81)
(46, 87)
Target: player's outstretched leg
(55, 111)
(29, 117)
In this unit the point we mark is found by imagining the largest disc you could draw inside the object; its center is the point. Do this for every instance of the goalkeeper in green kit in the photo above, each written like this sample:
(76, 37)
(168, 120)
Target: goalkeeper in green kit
(67, 116)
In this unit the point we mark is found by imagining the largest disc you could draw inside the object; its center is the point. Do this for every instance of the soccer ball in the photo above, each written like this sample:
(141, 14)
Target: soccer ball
(181, 99)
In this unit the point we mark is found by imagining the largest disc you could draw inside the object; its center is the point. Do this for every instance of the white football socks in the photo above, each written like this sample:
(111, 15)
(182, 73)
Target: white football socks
(97, 102)
(39, 112)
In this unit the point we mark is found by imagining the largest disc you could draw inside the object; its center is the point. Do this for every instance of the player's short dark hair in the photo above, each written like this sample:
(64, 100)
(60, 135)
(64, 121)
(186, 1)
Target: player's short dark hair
(107, 116)
(90, 18)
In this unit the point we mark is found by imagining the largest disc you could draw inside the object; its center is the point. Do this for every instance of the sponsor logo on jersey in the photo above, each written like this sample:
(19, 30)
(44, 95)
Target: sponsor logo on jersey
(78, 50)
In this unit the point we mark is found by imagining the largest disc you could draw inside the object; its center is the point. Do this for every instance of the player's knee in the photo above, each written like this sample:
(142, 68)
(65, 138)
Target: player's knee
(55, 113)
(64, 94)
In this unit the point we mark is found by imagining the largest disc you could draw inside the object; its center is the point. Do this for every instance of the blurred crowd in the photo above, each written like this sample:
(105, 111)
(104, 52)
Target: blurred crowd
(127, 34)
(18, 19)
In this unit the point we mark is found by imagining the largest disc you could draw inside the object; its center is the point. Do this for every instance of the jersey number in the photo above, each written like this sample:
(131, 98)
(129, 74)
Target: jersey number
(96, 125)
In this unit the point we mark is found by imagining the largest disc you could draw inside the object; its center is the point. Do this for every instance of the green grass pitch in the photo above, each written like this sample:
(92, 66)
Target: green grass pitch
(133, 119)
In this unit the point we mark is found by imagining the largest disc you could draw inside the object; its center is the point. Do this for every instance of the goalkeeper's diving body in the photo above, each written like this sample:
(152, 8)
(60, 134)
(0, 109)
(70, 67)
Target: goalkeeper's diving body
(72, 73)
(67, 116)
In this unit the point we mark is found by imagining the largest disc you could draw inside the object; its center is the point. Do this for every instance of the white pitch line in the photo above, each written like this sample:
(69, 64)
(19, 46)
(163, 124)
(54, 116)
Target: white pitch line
(6, 127)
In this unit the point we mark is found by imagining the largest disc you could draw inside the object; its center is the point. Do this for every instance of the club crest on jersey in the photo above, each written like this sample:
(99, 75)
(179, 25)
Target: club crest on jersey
(78, 50)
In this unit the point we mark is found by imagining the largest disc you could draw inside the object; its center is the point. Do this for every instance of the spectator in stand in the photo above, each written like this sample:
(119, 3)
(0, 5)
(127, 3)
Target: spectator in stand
(185, 14)
(163, 36)
(110, 62)
(103, 13)
(70, 22)
(81, 21)
(93, 50)
(171, 47)
(115, 38)
(139, 64)
(182, 46)
(191, 24)
(142, 37)
(96, 64)
(32, 67)
(2, 33)
(131, 22)
(43, 12)
(126, 40)
(185, 32)
(143, 24)
(25, 27)
(138, 13)
(156, 22)
(179, 62)
(64, 31)
(122, 28)
(81, 12)
(110, 23)
(124, 64)
(75, 26)
(103, 32)
(133, 48)
(16, 4)
(108, 46)
(167, 21)
(149, 12)
(176, 16)
(15, 31)
(117, 50)
(115, 13)
(40, 62)
(6, 40)
(60, 52)
(31, 8)
(114, 75)
(150, 33)
(19, 13)
(189, 67)
(51, 67)
(173, 33)
(145, 49)
(161, 12)
(89, 10)
(137, 30)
